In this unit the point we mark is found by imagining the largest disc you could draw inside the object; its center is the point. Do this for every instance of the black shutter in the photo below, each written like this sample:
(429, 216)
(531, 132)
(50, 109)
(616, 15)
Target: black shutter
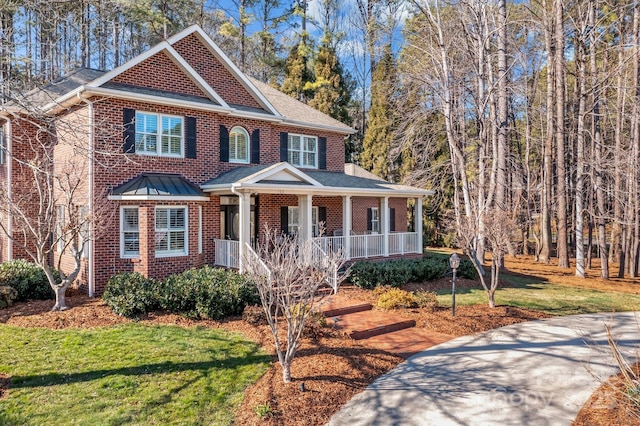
(284, 146)
(224, 144)
(322, 220)
(255, 147)
(190, 136)
(129, 133)
(392, 220)
(322, 153)
(284, 220)
(369, 217)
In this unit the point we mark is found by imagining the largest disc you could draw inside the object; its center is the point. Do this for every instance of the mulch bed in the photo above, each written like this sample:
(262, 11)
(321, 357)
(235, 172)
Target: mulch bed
(332, 367)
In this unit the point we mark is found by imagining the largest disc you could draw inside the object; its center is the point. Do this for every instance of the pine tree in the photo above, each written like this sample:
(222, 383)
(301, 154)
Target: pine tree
(331, 88)
(298, 72)
(378, 138)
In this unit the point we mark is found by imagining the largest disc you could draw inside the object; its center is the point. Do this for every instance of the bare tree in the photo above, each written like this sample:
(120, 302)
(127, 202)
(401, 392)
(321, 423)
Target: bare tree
(499, 232)
(289, 274)
(50, 214)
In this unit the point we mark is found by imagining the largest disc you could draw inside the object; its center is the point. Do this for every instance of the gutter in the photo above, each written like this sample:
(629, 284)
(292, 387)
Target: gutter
(91, 257)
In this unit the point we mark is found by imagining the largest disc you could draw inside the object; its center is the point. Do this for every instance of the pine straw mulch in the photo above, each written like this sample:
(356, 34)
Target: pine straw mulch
(332, 367)
(608, 405)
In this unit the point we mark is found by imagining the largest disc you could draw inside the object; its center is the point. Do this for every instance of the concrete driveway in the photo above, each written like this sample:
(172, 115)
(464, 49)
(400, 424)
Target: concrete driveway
(532, 373)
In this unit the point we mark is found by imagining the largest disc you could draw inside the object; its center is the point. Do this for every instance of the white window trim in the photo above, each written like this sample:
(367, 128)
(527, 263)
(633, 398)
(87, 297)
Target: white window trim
(159, 152)
(239, 160)
(3, 145)
(375, 229)
(315, 224)
(124, 255)
(302, 151)
(172, 253)
(85, 229)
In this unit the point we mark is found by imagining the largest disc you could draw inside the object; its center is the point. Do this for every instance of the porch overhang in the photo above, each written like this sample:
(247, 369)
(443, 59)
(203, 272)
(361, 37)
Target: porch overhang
(158, 187)
(283, 178)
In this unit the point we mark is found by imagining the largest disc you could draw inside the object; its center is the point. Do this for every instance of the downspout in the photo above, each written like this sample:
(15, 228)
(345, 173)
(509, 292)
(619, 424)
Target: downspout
(90, 278)
(8, 158)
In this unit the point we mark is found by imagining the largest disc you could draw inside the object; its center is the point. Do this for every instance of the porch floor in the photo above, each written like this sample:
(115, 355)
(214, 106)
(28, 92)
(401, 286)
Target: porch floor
(381, 330)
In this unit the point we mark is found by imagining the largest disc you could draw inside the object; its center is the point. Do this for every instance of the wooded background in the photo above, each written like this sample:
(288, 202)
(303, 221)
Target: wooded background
(520, 115)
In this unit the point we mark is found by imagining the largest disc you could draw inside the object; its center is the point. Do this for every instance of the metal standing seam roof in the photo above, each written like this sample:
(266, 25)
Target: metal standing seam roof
(158, 184)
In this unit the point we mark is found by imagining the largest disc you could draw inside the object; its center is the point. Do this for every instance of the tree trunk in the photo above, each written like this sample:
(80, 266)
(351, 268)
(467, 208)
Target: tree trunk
(547, 167)
(561, 190)
(286, 371)
(580, 141)
(61, 304)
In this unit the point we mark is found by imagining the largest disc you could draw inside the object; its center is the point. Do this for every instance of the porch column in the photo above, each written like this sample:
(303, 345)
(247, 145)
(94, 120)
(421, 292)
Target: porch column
(346, 225)
(244, 231)
(305, 233)
(384, 225)
(418, 224)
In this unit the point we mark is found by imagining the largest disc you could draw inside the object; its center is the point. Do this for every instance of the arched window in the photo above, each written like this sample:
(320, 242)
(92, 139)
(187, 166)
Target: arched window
(238, 145)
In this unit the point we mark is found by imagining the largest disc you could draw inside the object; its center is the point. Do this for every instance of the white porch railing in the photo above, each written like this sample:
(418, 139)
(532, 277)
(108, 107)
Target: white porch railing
(227, 253)
(319, 257)
(251, 254)
(403, 242)
(364, 246)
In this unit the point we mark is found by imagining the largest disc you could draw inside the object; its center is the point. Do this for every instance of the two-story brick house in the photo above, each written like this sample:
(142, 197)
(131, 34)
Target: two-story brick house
(202, 159)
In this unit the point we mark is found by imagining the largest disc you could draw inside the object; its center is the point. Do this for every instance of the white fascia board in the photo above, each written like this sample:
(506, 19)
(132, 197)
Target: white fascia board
(313, 126)
(231, 67)
(277, 168)
(321, 190)
(194, 76)
(130, 64)
(157, 198)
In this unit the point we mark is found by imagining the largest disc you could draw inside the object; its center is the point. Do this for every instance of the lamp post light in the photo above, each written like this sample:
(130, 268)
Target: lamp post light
(454, 262)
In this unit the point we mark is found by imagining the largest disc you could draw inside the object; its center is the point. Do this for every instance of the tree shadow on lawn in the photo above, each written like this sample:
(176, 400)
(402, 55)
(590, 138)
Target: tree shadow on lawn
(53, 379)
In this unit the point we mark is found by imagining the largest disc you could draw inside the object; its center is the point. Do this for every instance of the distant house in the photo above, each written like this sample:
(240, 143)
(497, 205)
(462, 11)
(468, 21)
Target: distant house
(212, 157)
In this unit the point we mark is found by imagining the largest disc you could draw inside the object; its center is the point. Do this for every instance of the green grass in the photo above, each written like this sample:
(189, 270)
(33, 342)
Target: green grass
(130, 374)
(554, 299)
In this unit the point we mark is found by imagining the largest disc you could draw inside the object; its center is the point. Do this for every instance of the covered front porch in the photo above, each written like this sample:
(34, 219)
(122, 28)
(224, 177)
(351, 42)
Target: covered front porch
(356, 217)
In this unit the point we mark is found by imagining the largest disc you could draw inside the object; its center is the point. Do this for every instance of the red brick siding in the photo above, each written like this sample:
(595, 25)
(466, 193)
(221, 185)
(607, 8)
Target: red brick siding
(161, 73)
(213, 72)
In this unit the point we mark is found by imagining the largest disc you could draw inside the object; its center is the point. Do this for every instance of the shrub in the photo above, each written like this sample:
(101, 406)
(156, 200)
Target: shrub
(8, 295)
(254, 315)
(395, 273)
(131, 294)
(426, 300)
(395, 299)
(207, 292)
(27, 278)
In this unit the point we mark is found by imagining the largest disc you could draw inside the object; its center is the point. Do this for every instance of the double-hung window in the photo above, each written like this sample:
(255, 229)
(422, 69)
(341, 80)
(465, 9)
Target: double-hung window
(129, 232)
(238, 145)
(303, 151)
(293, 222)
(159, 134)
(375, 220)
(171, 231)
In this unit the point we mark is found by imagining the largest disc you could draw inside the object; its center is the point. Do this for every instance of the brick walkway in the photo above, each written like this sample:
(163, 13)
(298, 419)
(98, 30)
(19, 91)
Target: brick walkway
(390, 332)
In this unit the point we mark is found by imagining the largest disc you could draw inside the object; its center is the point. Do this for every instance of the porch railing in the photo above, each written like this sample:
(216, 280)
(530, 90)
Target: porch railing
(320, 258)
(227, 253)
(403, 242)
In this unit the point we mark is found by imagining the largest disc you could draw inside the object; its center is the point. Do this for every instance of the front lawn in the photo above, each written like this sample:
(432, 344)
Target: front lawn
(127, 374)
(553, 299)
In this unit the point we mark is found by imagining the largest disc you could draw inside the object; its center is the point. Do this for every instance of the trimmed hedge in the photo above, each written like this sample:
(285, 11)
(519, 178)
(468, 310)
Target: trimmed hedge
(395, 273)
(28, 279)
(210, 293)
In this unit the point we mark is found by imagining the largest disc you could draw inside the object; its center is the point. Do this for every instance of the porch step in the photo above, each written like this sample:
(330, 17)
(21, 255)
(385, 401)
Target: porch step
(366, 324)
(337, 305)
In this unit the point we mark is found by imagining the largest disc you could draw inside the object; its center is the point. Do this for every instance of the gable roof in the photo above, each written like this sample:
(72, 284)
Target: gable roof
(275, 106)
(284, 178)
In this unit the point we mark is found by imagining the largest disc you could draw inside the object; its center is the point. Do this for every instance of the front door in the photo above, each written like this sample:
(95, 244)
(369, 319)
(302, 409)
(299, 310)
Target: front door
(231, 222)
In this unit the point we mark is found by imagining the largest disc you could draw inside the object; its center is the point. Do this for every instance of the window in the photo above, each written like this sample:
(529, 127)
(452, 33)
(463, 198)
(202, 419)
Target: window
(303, 151)
(129, 232)
(294, 220)
(3, 146)
(238, 145)
(158, 134)
(171, 231)
(84, 235)
(375, 220)
(60, 228)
